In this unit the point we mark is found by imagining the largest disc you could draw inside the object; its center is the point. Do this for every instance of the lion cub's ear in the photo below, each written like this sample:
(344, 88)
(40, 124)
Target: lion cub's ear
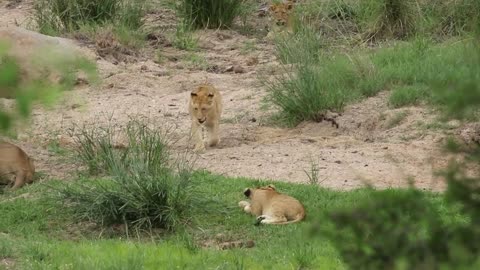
(193, 94)
(247, 192)
(210, 95)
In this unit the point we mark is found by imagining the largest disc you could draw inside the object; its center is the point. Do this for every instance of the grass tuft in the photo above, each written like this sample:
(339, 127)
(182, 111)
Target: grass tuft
(210, 13)
(148, 188)
(387, 18)
(57, 16)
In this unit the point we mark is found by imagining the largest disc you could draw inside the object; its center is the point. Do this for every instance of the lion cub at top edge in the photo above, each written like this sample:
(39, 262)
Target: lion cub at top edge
(15, 166)
(205, 109)
(272, 207)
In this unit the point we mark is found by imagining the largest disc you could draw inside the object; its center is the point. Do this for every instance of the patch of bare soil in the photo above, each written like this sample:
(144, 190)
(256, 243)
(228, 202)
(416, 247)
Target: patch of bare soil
(374, 144)
(7, 263)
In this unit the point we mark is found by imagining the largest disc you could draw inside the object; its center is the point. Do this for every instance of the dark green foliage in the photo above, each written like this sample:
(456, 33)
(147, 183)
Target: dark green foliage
(366, 241)
(210, 13)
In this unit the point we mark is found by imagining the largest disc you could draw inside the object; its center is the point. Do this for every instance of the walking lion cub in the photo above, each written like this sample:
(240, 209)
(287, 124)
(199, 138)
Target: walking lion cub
(205, 109)
(15, 166)
(272, 207)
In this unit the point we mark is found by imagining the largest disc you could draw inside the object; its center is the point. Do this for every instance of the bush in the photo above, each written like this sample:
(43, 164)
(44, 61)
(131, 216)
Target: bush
(53, 16)
(210, 13)
(387, 18)
(382, 232)
(148, 189)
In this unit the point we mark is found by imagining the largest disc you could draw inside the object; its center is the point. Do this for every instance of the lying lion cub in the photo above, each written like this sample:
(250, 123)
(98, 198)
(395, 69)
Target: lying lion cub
(15, 166)
(272, 207)
(205, 109)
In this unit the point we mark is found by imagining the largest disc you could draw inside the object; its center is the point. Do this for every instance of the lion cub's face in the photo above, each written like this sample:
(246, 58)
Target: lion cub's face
(281, 12)
(202, 102)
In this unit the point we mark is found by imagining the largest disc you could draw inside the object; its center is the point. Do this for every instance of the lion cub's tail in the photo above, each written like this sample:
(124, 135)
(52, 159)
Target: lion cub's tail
(297, 219)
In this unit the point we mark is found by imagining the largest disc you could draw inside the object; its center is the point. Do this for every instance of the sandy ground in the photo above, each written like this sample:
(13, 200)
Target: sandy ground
(366, 148)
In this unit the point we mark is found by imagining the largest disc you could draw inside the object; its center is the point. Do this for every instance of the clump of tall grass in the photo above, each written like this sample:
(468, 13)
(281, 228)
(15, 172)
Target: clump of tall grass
(453, 17)
(310, 91)
(210, 13)
(54, 16)
(387, 18)
(148, 188)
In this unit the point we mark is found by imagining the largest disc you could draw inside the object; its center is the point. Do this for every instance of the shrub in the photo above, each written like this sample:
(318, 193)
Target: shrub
(383, 232)
(210, 13)
(148, 189)
(53, 16)
(387, 18)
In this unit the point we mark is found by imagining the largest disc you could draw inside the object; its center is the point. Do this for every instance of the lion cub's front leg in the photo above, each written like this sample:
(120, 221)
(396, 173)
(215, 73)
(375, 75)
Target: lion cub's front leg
(196, 133)
(212, 131)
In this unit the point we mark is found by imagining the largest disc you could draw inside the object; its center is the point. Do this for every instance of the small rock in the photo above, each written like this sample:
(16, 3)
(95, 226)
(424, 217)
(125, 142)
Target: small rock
(338, 162)
(74, 106)
(143, 68)
(253, 119)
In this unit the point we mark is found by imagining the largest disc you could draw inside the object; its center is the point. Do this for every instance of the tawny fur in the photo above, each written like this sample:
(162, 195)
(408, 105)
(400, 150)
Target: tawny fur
(15, 166)
(272, 207)
(205, 109)
(281, 17)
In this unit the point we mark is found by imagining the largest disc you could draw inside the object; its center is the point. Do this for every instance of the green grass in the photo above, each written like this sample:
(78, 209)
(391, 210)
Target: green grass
(210, 13)
(407, 95)
(318, 80)
(48, 235)
(184, 38)
(148, 188)
(387, 18)
(57, 16)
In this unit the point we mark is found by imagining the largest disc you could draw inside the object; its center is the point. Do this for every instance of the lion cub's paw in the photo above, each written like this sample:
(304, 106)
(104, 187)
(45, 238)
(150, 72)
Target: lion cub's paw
(243, 204)
(259, 220)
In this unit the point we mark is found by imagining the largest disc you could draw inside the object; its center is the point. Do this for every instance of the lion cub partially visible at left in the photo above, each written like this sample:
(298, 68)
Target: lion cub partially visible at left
(272, 207)
(205, 109)
(15, 165)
